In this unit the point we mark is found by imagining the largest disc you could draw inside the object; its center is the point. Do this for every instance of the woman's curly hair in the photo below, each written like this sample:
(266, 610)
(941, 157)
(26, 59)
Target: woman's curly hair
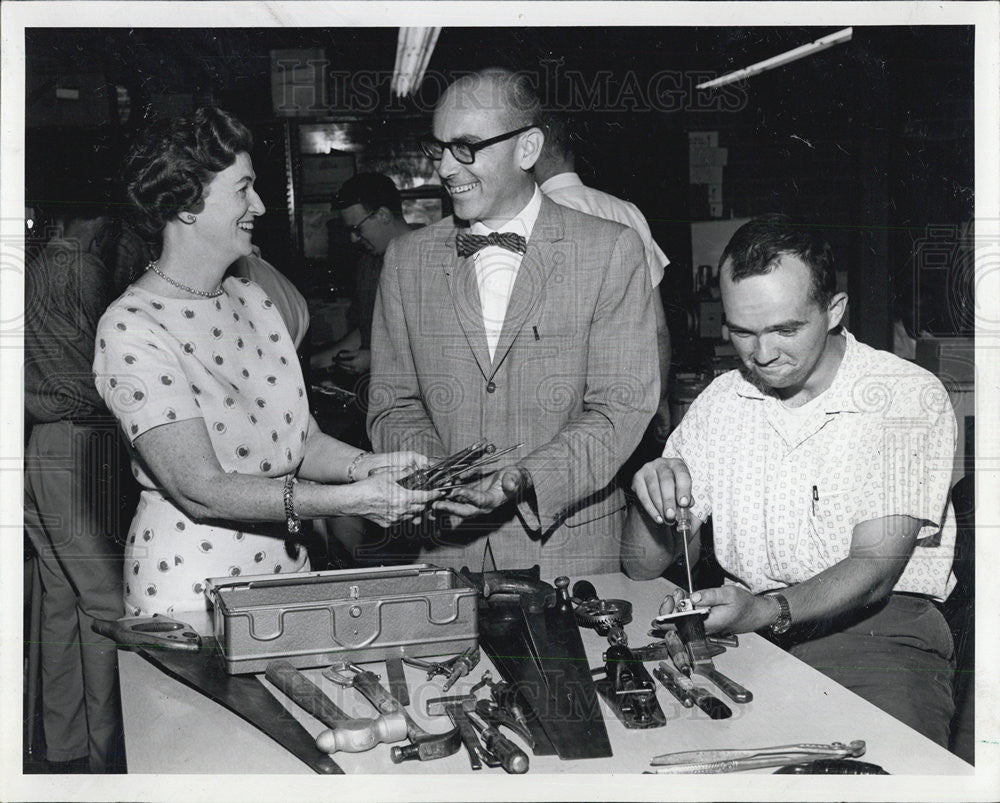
(171, 161)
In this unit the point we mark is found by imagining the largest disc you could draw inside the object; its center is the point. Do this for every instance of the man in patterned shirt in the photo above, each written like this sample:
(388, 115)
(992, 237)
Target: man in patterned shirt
(825, 465)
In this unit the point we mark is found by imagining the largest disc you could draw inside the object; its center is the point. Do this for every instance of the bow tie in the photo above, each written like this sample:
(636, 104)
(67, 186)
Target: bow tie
(468, 244)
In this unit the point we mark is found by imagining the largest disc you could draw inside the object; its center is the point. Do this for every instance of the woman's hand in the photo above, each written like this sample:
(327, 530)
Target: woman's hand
(372, 464)
(381, 499)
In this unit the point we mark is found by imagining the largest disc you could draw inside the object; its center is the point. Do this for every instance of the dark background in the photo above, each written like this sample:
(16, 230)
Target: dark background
(872, 139)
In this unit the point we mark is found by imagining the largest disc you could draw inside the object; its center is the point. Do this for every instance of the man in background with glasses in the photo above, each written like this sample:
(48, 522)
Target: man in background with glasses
(371, 209)
(517, 321)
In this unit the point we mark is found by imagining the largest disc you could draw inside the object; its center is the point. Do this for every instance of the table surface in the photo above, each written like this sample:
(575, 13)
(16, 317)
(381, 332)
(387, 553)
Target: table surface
(792, 703)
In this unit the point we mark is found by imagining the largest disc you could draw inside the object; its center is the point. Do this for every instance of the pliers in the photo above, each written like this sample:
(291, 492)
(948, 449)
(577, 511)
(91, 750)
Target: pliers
(454, 668)
(716, 761)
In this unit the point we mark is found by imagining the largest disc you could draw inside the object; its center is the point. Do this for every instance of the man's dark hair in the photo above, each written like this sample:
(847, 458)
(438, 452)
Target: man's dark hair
(757, 246)
(372, 191)
(558, 134)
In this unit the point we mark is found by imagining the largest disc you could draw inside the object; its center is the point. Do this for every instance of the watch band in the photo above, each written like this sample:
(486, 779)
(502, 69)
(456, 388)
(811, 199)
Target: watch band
(783, 621)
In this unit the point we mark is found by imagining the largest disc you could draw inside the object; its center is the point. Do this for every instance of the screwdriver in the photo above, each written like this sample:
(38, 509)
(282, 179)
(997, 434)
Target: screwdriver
(683, 524)
(512, 758)
(678, 652)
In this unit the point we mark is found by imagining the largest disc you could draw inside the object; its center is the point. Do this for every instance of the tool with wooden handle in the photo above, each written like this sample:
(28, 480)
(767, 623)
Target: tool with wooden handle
(665, 677)
(346, 733)
(709, 703)
(508, 755)
(372, 690)
(457, 708)
(692, 630)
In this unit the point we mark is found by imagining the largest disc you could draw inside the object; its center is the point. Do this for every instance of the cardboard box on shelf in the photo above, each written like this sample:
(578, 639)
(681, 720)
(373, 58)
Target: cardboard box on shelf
(703, 139)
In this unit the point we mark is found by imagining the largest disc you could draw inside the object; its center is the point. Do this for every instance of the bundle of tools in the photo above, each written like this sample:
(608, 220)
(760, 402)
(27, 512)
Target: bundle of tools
(455, 470)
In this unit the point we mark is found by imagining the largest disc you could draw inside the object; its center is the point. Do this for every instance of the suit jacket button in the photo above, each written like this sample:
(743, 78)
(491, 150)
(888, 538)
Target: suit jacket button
(491, 387)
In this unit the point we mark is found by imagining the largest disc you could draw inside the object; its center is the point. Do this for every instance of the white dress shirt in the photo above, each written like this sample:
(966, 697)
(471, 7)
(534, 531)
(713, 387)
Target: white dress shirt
(496, 269)
(568, 190)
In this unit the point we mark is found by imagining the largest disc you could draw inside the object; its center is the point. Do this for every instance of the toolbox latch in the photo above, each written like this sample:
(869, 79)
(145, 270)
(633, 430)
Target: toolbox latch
(357, 624)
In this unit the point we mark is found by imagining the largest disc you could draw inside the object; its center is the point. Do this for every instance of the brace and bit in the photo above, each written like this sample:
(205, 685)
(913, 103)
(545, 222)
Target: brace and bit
(453, 668)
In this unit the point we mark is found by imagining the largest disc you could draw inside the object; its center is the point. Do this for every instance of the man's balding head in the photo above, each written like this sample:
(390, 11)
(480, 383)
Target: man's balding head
(481, 106)
(495, 89)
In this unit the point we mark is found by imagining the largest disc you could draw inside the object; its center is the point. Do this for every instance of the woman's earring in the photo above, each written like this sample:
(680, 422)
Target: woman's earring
(187, 217)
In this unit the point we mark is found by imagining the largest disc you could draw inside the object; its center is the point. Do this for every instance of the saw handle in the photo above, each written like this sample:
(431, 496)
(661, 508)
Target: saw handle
(152, 632)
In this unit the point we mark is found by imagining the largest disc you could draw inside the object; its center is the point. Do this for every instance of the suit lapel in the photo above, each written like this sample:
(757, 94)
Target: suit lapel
(464, 289)
(534, 271)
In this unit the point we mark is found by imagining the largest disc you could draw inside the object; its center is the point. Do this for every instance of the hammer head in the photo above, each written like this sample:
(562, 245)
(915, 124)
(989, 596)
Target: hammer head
(443, 706)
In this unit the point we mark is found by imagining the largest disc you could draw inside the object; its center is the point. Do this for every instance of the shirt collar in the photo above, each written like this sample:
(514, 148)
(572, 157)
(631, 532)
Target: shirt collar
(561, 182)
(837, 398)
(522, 223)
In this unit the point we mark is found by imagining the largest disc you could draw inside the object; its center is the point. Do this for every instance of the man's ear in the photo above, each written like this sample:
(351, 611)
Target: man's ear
(529, 147)
(835, 311)
(383, 215)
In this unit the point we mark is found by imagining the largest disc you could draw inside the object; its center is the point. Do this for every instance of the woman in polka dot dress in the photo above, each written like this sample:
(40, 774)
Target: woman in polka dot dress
(203, 378)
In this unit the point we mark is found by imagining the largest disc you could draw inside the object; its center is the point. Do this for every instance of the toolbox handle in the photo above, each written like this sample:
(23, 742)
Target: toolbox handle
(324, 577)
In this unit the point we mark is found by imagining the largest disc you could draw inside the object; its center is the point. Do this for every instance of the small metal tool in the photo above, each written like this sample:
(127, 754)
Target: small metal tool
(684, 531)
(497, 716)
(629, 690)
(506, 706)
(665, 676)
(456, 708)
(453, 668)
(397, 680)
(706, 701)
(692, 630)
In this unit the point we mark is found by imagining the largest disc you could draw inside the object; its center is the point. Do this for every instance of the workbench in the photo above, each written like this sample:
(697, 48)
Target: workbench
(792, 703)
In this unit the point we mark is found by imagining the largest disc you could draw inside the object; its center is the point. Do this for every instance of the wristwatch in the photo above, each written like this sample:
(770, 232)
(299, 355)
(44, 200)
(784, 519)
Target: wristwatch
(784, 619)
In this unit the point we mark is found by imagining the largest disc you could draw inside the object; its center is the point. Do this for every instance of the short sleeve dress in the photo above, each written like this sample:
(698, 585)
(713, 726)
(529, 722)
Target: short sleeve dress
(229, 361)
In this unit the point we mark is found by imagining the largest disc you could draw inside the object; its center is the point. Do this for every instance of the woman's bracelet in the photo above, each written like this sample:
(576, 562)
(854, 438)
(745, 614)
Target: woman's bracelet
(354, 465)
(294, 525)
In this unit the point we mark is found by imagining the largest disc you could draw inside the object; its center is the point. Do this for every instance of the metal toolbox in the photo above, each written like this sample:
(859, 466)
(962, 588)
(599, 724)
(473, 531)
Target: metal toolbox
(359, 615)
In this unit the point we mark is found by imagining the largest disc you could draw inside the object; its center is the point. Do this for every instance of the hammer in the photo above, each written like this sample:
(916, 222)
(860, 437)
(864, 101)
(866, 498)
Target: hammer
(457, 707)
(349, 734)
(424, 746)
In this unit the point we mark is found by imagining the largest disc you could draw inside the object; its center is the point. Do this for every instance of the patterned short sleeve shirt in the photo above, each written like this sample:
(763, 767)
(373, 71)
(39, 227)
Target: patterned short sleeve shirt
(784, 501)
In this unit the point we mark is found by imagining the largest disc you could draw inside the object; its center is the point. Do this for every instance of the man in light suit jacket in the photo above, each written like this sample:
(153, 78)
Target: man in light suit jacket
(540, 332)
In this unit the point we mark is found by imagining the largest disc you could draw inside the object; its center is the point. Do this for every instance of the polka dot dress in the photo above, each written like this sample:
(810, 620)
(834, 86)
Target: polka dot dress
(229, 361)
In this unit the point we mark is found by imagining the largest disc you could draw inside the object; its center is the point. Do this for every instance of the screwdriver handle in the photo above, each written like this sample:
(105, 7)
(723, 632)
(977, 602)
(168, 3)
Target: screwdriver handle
(663, 675)
(678, 652)
(733, 690)
(512, 758)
